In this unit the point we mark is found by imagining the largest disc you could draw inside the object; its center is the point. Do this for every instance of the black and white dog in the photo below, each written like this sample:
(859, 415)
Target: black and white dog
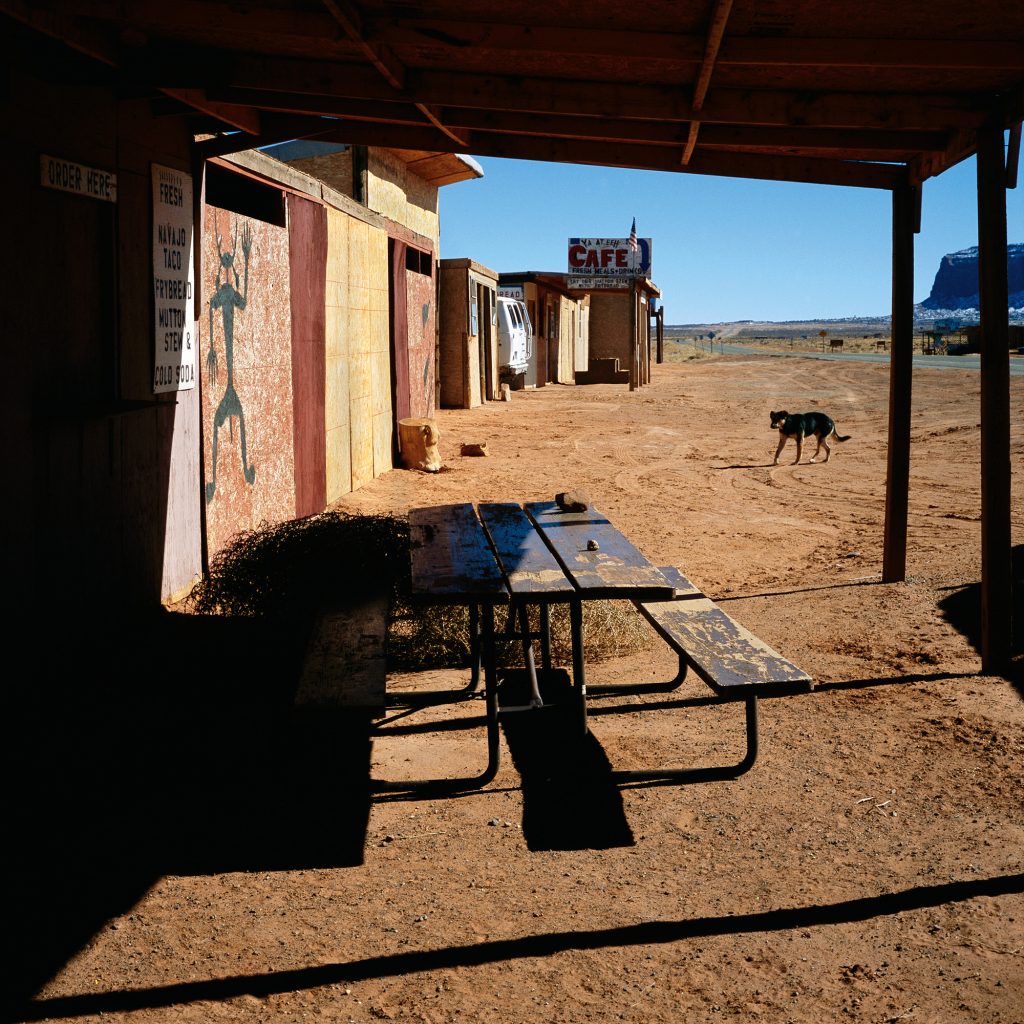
(799, 425)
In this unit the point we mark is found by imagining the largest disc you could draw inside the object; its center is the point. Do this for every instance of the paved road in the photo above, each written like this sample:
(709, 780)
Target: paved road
(966, 362)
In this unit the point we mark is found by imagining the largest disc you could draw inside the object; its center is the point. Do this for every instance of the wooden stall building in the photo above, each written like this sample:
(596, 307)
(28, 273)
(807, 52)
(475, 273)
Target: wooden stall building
(561, 325)
(467, 334)
(115, 111)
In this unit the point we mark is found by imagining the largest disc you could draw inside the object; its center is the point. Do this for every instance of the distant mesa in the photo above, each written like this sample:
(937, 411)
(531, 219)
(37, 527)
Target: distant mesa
(956, 283)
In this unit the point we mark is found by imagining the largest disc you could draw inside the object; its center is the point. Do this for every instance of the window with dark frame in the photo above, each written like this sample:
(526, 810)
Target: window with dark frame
(419, 262)
(244, 195)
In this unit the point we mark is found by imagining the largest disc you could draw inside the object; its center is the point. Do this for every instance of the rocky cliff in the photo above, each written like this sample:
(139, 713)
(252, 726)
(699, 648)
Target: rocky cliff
(956, 283)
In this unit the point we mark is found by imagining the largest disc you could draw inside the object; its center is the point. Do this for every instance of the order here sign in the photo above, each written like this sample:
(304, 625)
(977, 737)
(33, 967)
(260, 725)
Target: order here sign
(609, 257)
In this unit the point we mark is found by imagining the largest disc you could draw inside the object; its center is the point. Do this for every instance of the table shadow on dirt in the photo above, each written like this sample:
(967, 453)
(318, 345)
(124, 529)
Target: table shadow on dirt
(166, 746)
(570, 800)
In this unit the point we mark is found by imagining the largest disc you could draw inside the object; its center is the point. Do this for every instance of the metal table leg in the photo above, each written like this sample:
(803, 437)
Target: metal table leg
(519, 612)
(416, 697)
(531, 667)
(611, 689)
(545, 636)
(579, 679)
(704, 774)
(493, 735)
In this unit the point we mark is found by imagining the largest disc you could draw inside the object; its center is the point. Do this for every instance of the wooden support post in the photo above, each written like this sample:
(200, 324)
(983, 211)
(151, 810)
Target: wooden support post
(648, 348)
(660, 322)
(634, 351)
(897, 481)
(996, 573)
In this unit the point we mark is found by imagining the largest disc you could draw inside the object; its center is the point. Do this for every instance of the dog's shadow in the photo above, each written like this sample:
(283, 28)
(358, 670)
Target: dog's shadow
(762, 465)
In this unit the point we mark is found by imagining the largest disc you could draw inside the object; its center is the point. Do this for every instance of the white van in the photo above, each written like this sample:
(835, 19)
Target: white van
(515, 340)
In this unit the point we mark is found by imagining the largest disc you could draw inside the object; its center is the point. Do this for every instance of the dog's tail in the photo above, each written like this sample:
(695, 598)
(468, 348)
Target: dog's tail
(840, 437)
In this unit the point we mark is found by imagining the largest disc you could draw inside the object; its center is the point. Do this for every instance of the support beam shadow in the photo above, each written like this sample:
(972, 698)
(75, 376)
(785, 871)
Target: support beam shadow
(546, 944)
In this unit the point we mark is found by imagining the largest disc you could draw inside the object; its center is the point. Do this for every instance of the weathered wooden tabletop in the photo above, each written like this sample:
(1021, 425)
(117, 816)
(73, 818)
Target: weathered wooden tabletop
(531, 570)
(451, 558)
(601, 562)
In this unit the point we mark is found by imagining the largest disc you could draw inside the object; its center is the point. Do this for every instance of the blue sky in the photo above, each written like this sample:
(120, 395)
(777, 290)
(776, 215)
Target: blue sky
(723, 248)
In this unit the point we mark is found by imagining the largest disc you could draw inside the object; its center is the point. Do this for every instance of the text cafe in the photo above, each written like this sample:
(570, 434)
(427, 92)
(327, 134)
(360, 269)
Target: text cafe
(609, 257)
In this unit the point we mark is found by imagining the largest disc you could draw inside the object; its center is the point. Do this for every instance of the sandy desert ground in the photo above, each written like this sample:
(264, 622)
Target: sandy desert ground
(869, 868)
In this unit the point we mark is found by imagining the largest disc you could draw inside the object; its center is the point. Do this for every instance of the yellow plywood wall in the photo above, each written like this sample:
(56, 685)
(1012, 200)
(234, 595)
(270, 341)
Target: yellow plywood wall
(336, 405)
(380, 351)
(369, 358)
(393, 190)
(358, 408)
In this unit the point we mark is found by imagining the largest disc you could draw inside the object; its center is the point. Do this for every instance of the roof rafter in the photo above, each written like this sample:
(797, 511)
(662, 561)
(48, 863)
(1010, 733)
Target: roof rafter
(644, 157)
(736, 51)
(101, 47)
(382, 59)
(716, 31)
(879, 142)
(932, 112)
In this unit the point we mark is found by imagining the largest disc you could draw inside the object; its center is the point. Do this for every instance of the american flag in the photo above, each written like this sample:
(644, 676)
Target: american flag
(633, 246)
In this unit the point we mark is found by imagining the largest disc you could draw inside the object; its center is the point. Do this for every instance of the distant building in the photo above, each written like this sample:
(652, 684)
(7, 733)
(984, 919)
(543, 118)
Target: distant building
(561, 325)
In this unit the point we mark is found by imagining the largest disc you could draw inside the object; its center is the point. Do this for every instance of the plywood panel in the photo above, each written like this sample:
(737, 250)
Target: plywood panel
(245, 352)
(567, 346)
(383, 432)
(358, 273)
(362, 441)
(399, 327)
(473, 398)
(360, 375)
(379, 348)
(398, 193)
(454, 281)
(380, 376)
(307, 239)
(338, 436)
(421, 321)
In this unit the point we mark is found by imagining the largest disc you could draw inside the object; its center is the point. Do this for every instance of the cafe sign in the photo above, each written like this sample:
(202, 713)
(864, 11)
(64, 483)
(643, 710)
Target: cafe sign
(609, 257)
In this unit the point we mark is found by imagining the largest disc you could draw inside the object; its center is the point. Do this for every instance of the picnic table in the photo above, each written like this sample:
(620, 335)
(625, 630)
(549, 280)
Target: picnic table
(538, 554)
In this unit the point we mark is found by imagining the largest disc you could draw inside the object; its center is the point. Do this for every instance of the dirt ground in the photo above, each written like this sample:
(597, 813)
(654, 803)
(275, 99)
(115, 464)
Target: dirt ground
(868, 868)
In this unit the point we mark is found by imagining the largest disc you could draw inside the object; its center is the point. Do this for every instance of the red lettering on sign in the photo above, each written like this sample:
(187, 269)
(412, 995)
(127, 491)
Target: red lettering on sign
(620, 258)
(575, 252)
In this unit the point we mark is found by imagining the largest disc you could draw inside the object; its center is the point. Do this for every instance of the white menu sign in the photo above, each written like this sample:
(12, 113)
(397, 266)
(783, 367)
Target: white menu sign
(174, 366)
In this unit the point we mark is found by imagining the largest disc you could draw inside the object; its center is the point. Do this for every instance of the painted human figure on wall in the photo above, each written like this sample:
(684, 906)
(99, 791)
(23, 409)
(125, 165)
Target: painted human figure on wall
(227, 298)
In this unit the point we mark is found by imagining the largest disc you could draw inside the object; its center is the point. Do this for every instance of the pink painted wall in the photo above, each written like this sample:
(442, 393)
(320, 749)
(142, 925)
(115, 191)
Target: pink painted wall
(246, 375)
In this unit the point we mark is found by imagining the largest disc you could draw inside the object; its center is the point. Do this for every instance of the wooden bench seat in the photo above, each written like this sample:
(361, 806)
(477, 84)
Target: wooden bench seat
(727, 656)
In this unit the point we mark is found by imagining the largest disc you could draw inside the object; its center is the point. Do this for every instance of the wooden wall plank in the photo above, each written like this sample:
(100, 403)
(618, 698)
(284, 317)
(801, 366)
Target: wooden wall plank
(399, 327)
(337, 401)
(307, 244)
